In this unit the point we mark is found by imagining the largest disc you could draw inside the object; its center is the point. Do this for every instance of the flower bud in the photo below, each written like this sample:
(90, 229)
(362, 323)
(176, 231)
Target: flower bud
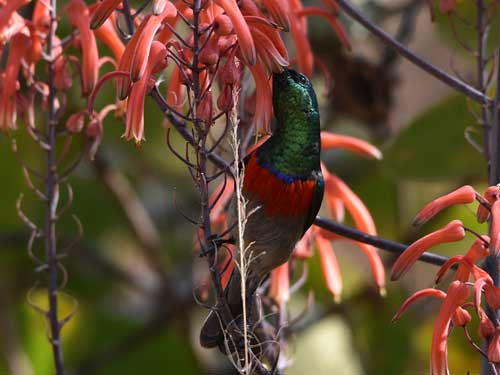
(486, 328)
(75, 123)
(461, 317)
(494, 347)
(225, 100)
(223, 25)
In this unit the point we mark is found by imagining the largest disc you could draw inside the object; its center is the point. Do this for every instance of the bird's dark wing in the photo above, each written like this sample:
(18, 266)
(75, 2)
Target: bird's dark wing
(316, 200)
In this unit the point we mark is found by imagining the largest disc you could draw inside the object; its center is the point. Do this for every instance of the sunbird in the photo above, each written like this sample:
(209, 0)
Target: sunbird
(283, 186)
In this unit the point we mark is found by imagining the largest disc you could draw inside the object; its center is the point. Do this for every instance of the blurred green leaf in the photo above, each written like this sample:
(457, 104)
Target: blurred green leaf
(433, 147)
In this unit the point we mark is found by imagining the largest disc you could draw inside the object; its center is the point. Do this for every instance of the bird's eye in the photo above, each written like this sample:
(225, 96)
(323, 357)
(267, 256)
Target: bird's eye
(302, 79)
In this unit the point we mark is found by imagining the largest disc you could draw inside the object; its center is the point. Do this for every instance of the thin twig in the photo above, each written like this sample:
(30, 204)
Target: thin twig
(444, 77)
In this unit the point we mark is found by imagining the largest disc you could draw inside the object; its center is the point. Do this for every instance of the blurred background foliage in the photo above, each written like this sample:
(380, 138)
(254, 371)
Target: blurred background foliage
(134, 302)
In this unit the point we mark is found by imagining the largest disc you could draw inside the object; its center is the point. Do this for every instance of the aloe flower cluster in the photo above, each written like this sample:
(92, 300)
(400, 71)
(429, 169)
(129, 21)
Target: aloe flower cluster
(463, 298)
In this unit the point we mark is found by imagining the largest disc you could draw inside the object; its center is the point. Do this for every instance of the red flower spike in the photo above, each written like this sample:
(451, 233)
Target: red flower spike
(102, 12)
(494, 347)
(79, 17)
(456, 296)
(463, 195)
(135, 104)
(330, 140)
(330, 267)
(241, 29)
(495, 229)
(453, 232)
(486, 328)
(280, 284)
(429, 292)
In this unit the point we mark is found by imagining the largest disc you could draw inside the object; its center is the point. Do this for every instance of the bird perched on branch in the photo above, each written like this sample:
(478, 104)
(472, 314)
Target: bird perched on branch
(284, 187)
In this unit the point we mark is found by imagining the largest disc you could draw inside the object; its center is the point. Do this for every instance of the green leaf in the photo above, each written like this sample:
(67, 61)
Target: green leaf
(433, 147)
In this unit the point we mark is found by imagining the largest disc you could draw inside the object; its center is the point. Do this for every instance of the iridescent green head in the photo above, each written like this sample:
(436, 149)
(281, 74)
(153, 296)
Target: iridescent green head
(293, 93)
(294, 148)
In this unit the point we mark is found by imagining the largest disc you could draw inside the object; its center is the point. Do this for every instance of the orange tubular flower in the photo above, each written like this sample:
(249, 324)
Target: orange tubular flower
(123, 84)
(491, 195)
(79, 17)
(19, 47)
(486, 328)
(376, 266)
(143, 46)
(271, 58)
(495, 229)
(7, 11)
(107, 34)
(494, 347)
(354, 205)
(332, 20)
(453, 232)
(477, 251)
(456, 296)
(280, 284)
(303, 54)
(304, 248)
(135, 105)
(463, 195)
(264, 101)
(429, 292)
(102, 12)
(330, 267)
(242, 30)
(330, 140)
(279, 10)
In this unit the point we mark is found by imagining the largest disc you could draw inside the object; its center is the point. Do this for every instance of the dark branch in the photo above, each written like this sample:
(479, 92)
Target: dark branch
(387, 245)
